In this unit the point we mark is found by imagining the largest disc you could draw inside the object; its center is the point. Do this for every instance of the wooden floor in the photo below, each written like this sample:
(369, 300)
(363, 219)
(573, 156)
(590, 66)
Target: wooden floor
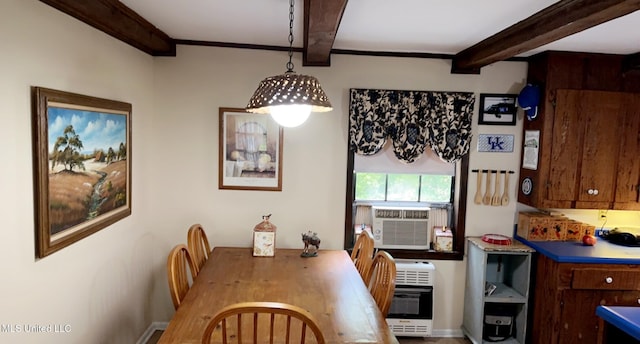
(403, 340)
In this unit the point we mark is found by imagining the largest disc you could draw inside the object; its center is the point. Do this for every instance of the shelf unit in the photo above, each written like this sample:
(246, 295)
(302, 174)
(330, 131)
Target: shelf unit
(508, 267)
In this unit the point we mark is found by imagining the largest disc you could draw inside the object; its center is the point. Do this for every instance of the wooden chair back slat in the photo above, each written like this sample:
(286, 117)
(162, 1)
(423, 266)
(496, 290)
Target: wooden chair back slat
(262, 316)
(178, 261)
(362, 255)
(383, 281)
(198, 245)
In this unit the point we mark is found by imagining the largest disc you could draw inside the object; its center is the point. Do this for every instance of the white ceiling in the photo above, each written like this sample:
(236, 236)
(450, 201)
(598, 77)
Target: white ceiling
(415, 26)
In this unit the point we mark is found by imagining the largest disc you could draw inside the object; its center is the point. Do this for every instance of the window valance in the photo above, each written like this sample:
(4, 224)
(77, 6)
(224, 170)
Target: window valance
(412, 120)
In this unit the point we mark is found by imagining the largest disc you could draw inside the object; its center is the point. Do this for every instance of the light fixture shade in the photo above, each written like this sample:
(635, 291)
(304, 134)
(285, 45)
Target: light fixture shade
(290, 116)
(289, 88)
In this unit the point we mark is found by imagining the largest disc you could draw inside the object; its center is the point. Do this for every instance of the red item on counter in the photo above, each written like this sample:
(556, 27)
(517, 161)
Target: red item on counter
(496, 239)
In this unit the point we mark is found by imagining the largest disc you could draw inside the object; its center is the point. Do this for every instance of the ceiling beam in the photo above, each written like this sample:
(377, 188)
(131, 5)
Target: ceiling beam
(321, 21)
(119, 21)
(557, 21)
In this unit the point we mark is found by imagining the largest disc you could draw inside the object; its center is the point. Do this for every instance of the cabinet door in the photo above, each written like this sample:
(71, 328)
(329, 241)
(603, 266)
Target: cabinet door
(566, 147)
(627, 190)
(585, 147)
(603, 113)
(578, 322)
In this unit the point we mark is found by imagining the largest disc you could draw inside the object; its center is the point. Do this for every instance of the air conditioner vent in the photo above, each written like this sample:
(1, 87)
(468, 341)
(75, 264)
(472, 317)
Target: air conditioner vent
(388, 213)
(405, 233)
(416, 214)
(401, 228)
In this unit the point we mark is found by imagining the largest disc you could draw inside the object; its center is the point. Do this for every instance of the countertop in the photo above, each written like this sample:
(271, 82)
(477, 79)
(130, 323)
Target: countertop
(514, 247)
(626, 319)
(602, 252)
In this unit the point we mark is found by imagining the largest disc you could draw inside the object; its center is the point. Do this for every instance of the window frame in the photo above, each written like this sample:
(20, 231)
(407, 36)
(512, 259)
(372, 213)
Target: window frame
(460, 210)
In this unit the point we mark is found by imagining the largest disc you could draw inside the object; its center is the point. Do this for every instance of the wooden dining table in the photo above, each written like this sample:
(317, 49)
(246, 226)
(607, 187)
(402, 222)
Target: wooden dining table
(328, 286)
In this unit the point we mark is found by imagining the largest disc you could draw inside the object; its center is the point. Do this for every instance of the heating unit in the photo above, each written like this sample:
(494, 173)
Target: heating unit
(411, 311)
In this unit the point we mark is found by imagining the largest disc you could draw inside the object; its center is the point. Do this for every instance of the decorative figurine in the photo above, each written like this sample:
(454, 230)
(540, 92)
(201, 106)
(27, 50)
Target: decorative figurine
(310, 239)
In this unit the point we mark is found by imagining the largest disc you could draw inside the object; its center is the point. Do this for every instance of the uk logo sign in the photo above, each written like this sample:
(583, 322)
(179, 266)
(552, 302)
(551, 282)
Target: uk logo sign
(496, 143)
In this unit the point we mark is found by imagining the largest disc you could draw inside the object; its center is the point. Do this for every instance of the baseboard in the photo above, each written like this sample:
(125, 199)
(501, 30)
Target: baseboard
(155, 326)
(447, 333)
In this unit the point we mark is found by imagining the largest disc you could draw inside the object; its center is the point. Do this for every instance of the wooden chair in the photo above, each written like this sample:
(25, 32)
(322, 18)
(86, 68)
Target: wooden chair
(383, 281)
(177, 263)
(362, 255)
(198, 246)
(262, 322)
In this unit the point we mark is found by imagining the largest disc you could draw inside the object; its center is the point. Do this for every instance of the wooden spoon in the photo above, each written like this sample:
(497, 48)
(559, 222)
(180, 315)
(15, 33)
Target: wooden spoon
(477, 199)
(487, 192)
(505, 194)
(495, 200)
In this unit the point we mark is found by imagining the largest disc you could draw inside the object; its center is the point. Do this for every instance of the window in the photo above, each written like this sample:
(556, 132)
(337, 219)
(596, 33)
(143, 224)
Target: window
(390, 187)
(397, 185)
(416, 124)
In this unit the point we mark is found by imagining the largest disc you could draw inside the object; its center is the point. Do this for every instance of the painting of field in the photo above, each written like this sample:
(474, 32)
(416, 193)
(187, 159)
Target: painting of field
(82, 166)
(75, 197)
(88, 166)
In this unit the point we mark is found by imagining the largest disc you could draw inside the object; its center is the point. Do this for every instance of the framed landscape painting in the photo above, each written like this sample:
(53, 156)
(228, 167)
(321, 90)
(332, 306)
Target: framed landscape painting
(250, 156)
(82, 166)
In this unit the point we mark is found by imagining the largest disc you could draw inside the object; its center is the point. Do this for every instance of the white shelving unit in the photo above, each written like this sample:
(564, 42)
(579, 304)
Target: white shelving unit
(508, 267)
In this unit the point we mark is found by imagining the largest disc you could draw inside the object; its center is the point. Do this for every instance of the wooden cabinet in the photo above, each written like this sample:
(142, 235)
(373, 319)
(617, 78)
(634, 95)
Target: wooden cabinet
(589, 136)
(627, 192)
(566, 296)
(508, 268)
(591, 129)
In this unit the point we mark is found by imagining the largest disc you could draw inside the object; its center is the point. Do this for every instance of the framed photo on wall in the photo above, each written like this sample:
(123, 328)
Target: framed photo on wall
(497, 109)
(82, 163)
(250, 151)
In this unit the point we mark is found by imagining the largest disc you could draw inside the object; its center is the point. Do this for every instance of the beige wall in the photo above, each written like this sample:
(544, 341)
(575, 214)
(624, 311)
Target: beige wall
(101, 287)
(110, 286)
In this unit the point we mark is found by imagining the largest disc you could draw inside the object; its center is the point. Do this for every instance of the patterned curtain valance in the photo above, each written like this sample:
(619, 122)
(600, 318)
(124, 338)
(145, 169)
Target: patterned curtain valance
(412, 120)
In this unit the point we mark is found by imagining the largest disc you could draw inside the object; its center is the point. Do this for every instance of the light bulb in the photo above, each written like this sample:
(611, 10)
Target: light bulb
(291, 115)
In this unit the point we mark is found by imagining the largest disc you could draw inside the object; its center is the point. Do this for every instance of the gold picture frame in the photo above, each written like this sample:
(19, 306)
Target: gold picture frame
(82, 166)
(250, 151)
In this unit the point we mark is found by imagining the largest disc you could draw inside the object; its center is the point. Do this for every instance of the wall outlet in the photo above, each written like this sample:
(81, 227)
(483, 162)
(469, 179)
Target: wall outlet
(602, 215)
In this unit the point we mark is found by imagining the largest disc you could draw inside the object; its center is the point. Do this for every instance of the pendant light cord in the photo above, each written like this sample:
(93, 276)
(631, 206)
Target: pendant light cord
(290, 64)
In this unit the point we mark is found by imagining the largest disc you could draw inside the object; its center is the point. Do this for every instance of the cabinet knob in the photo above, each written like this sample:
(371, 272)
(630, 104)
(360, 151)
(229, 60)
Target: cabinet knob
(590, 191)
(609, 280)
(595, 191)
(639, 301)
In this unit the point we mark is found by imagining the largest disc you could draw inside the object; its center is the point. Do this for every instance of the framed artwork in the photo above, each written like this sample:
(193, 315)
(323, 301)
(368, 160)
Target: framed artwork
(250, 151)
(82, 166)
(497, 109)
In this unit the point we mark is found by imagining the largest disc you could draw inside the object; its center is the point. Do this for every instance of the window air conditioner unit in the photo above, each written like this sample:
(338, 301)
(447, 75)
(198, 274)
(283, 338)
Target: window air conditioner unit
(401, 228)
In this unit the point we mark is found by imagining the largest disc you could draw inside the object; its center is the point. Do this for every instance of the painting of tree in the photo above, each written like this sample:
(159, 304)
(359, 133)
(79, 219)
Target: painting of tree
(66, 151)
(83, 172)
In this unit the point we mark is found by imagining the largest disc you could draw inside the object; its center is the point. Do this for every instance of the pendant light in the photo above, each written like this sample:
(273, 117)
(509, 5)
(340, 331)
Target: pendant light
(290, 97)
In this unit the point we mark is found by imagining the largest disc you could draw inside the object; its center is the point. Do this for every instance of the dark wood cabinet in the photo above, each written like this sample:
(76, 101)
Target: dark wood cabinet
(627, 192)
(584, 153)
(566, 296)
(589, 134)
